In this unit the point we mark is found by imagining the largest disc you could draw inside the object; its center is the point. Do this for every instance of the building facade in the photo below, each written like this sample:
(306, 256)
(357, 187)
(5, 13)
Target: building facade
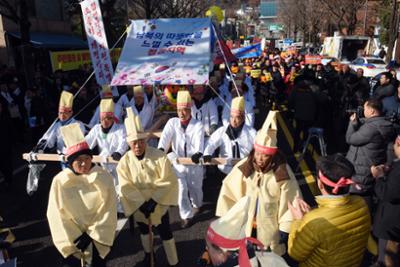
(49, 24)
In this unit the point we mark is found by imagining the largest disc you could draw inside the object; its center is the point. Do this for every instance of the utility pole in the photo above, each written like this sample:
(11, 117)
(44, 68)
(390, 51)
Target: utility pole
(393, 29)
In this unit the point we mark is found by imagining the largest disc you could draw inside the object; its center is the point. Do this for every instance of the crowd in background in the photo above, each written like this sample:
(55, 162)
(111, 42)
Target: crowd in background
(359, 117)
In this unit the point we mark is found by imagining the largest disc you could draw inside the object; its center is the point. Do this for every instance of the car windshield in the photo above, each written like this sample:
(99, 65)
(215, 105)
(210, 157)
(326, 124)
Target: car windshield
(376, 61)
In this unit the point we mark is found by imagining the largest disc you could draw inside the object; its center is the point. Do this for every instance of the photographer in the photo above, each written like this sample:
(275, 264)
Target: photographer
(368, 139)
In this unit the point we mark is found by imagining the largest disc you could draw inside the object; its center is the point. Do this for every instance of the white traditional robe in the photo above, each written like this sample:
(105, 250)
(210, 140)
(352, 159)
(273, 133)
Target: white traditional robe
(146, 114)
(113, 141)
(207, 114)
(227, 147)
(185, 143)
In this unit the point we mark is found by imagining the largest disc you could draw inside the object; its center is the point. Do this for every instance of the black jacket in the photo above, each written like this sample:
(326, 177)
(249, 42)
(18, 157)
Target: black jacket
(384, 91)
(368, 146)
(387, 217)
(304, 104)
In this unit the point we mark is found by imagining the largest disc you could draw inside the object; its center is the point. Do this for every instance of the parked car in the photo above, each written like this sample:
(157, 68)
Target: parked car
(372, 66)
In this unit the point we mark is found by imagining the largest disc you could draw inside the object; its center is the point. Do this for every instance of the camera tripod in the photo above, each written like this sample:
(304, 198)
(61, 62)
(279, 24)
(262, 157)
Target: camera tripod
(313, 133)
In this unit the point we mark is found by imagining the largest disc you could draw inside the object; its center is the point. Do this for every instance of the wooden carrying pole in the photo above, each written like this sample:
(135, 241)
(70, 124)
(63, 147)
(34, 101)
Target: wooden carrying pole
(99, 159)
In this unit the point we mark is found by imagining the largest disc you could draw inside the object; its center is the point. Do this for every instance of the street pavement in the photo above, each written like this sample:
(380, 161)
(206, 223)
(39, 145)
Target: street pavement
(26, 215)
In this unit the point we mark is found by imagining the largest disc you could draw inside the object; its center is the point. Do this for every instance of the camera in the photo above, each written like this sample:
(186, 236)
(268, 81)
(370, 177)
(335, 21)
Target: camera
(359, 111)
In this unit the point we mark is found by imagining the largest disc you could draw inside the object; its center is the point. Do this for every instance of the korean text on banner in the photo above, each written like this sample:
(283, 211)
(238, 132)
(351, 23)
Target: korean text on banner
(75, 59)
(165, 51)
(97, 41)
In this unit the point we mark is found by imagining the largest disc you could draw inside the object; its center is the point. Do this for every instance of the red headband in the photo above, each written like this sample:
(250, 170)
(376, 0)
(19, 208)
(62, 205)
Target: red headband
(76, 148)
(265, 150)
(106, 114)
(223, 242)
(236, 111)
(64, 109)
(184, 105)
(343, 182)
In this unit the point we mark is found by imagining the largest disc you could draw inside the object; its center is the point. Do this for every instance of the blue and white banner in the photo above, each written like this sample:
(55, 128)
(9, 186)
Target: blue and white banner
(248, 51)
(165, 51)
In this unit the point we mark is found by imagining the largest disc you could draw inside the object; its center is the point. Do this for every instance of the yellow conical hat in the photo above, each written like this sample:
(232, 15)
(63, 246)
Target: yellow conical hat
(266, 139)
(134, 129)
(233, 224)
(138, 89)
(229, 231)
(183, 100)
(73, 138)
(106, 108)
(66, 102)
(237, 106)
(106, 91)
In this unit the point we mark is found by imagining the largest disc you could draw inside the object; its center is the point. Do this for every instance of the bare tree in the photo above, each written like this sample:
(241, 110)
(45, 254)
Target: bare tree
(145, 9)
(184, 8)
(393, 29)
(344, 12)
(150, 9)
(304, 16)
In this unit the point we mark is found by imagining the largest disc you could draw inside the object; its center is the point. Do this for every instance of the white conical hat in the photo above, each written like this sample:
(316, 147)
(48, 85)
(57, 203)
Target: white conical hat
(73, 138)
(66, 101)
(266, 139)
(134, 129)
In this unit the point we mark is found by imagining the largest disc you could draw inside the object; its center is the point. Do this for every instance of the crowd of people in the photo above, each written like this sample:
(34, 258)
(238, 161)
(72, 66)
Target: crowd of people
(263, 220)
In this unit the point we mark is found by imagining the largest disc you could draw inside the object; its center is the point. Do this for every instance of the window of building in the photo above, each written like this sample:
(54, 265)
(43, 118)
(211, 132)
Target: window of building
(268, 8)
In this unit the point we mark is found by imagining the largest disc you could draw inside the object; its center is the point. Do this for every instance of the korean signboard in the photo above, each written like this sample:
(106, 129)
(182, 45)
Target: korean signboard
(74, 59)
(165, 51)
